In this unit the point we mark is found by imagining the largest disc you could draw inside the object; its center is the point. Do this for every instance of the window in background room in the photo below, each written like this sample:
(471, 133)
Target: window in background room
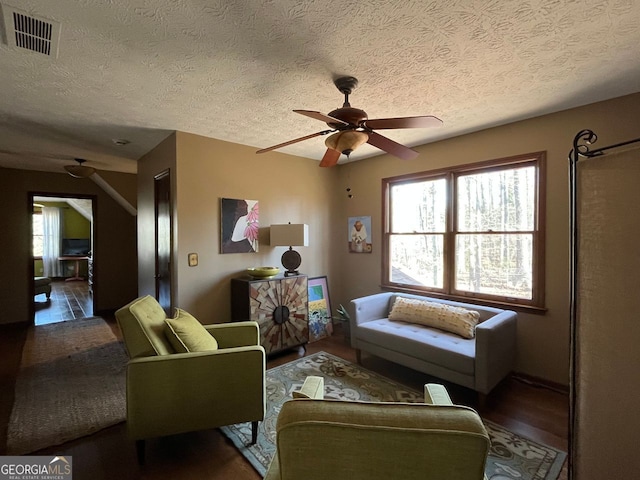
(38, 234)
(471, 232)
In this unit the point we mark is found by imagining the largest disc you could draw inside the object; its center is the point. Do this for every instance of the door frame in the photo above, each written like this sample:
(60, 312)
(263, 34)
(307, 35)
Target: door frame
(31, 312)
(161, 178)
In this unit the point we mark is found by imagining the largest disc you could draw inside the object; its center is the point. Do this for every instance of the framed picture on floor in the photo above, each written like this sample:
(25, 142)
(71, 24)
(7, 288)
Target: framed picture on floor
(320, 322)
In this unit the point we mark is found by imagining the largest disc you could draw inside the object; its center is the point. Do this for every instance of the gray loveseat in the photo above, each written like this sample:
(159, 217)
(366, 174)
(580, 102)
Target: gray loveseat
(478, 363)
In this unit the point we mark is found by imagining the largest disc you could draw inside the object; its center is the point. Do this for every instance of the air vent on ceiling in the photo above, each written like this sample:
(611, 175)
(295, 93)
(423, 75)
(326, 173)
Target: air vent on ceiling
(23, 30)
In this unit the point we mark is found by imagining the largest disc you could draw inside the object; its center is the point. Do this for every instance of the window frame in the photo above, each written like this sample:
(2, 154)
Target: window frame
(537, 302)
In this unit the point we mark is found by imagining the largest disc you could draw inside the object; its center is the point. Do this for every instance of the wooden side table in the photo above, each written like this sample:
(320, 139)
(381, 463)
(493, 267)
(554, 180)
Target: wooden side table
(76, 275)
(279, 305)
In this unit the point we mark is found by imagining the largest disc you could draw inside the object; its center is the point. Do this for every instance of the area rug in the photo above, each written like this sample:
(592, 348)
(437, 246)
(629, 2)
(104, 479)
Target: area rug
(512, 456)
(71, 383)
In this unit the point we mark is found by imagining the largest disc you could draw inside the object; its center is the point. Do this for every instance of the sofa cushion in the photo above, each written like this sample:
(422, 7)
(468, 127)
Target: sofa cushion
(438, 347)
(444, 317)
(187, 334)
(142, 325)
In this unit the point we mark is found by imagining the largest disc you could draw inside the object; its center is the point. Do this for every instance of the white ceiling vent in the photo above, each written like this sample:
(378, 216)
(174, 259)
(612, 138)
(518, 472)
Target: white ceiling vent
(23, 30)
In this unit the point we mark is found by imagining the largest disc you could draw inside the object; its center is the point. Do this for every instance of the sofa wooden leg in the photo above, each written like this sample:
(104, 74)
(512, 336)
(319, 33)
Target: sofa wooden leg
(358, 356)
(254, 432)
(140, 451)
(482, 401)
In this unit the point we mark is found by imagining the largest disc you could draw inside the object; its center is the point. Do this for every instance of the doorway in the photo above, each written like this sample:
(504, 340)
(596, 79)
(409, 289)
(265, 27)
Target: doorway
(63, 244)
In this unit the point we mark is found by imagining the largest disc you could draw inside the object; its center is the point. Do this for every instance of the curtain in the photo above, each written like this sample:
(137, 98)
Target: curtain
(51, 223)
(607, 369)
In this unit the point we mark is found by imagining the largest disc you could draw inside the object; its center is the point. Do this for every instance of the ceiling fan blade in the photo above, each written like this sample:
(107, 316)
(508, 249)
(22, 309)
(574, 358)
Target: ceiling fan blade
(330, 158)
(403, 122)
(320, 116)
(392, 147)
(290, 142)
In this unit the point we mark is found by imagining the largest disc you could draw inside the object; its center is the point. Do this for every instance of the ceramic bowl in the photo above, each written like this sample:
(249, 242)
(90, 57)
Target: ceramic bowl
(263, 272)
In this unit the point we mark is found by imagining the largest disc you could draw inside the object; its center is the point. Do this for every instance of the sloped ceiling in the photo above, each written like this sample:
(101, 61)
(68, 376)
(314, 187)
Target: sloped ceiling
(235, 70)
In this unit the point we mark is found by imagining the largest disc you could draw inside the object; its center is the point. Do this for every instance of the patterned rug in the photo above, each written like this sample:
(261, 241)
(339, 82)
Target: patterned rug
(512, 456)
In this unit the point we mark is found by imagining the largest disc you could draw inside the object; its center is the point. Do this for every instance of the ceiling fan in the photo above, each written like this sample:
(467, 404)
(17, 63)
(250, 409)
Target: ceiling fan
(351, 127)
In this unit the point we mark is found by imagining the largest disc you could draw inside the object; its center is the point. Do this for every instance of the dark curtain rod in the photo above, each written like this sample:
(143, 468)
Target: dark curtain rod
(585, 138)
(581, 144)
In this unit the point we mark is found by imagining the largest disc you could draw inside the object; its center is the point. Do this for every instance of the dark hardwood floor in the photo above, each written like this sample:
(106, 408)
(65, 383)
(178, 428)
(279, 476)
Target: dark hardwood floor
(69, 301)
(536, 412)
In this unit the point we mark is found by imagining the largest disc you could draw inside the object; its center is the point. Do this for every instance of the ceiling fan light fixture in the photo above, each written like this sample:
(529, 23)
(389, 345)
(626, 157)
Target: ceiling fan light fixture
(346, 141)
(80, 170)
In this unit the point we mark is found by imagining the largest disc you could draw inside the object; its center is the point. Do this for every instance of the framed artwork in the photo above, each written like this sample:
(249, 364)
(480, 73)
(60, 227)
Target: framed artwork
(239, 223)
(320, 321)
(359, 239)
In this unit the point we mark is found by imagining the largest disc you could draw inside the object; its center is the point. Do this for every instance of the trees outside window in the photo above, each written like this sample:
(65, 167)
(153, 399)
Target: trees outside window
(475, 231)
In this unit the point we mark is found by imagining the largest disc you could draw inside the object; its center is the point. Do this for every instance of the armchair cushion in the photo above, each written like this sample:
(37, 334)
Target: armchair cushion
(187, 334)
(438, 315)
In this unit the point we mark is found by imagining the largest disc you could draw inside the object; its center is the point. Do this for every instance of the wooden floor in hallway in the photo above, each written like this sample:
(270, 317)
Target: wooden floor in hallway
(69, 301)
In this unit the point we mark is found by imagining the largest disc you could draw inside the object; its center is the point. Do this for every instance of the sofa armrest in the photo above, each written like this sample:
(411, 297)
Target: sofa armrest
(235, 334)
(371, 307)
(183, 392)
(495, 349)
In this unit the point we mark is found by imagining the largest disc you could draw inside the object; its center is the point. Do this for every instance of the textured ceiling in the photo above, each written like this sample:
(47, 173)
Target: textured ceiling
(235, 70)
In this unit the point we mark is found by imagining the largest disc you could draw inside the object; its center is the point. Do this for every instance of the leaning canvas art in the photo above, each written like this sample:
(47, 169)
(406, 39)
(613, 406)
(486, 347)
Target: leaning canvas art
(320, 318)
(239, 225)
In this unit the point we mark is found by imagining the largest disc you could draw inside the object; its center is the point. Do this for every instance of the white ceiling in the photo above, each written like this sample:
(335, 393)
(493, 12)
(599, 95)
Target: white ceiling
(235, 70)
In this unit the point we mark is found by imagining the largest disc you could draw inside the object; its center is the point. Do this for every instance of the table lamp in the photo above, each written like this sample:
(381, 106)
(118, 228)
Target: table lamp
(290, 235)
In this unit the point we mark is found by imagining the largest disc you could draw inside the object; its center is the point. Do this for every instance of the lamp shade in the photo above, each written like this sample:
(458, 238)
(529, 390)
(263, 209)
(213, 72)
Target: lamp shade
(80, 170)
(346, 141)
(290, 235)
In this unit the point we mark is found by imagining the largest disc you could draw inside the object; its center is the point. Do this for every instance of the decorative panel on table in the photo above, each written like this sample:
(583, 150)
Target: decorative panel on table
(278, 304)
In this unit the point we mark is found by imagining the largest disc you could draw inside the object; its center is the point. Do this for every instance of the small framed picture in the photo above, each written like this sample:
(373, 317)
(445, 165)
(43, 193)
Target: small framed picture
(320, 317)
(359, 238)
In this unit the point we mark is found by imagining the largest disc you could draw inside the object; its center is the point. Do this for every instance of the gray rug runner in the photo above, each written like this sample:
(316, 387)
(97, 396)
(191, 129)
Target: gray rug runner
(512, 456)
(71, 383)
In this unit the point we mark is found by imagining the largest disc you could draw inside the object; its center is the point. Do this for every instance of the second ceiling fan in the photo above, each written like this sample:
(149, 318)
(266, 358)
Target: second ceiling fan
(351, 127)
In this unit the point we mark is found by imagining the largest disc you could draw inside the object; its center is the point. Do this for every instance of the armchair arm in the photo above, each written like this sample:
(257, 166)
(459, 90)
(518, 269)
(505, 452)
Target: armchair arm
(184, 392)
(495, 349)
(313, 387)
(436, 394)
(235, 334)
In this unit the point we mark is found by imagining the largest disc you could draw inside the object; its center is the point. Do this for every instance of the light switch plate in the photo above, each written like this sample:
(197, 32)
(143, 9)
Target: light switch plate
(193, 259)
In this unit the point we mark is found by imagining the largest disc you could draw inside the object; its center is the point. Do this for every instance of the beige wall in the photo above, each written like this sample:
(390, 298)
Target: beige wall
(115, 235)
(543, 340)
(289, 189)
(297, 190)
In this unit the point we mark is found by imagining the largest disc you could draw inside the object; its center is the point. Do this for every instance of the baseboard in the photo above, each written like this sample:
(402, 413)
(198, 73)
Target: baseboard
(540, 382)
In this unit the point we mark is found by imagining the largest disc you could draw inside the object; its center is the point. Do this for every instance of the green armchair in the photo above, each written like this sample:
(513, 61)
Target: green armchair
(326, 439)
(203, 386)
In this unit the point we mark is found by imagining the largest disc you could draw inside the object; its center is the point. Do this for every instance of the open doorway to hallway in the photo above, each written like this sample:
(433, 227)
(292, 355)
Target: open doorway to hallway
(62, 230)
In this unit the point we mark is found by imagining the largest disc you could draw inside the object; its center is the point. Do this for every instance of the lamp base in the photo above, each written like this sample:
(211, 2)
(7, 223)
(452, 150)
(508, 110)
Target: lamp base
(291, 260)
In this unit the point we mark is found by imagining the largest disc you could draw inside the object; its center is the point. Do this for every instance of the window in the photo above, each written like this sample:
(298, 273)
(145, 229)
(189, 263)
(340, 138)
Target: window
(475, 231)
(38, 234)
